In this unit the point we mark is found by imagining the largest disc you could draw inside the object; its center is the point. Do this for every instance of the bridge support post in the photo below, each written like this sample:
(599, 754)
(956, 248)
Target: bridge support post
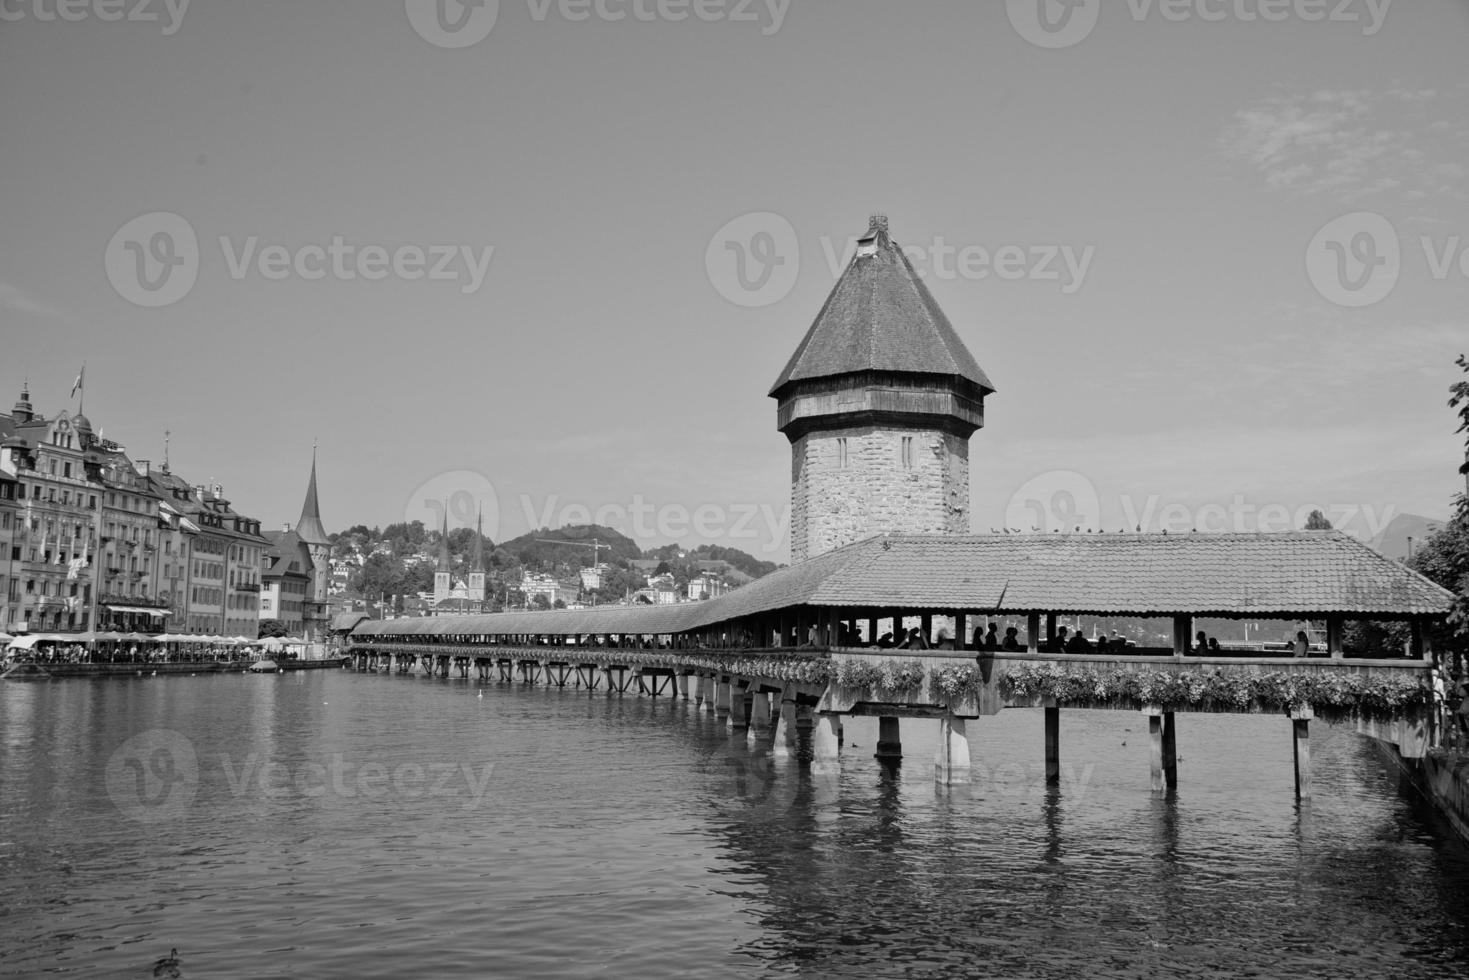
(721, 695)
(1155, 746)
(951, 762)
(759, 712)
(739, 707)
(1053, 743)
(785, 726)
(825, 750)
(682, 684)
(889, 740)
(1170, 751)
(1300, 720)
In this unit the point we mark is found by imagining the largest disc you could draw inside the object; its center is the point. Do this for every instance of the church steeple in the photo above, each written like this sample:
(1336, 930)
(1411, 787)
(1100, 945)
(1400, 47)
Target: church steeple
(444, 560)
(309, 528)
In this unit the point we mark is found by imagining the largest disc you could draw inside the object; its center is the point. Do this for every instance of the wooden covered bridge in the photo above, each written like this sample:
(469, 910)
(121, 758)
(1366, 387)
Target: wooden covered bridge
(795, 650)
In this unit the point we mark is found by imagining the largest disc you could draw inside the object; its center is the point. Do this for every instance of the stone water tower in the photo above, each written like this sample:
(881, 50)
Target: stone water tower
(878, 402)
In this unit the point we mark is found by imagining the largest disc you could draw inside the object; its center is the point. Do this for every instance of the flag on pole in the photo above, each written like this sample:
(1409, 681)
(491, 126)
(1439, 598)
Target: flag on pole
(76, 385)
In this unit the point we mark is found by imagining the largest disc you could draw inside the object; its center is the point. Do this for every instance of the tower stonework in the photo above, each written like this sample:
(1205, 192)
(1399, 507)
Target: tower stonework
(878, 402)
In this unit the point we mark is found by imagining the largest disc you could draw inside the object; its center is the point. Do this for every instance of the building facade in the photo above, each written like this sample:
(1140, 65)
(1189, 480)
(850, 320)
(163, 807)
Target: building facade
(878, 402)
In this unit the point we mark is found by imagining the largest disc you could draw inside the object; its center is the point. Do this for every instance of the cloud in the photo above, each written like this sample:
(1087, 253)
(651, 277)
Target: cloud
(15, 300)
(1351, 145)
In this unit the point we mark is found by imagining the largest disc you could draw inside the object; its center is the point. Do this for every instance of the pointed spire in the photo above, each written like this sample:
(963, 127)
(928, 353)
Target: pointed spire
(444, 562)
(309, 528)
(477, 562)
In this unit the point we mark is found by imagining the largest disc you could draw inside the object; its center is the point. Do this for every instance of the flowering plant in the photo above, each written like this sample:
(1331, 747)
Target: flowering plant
(893, 677)
(1217, 689)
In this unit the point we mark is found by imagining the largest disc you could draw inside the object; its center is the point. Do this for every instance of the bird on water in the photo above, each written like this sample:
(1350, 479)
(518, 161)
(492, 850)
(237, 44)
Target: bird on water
(168, 966)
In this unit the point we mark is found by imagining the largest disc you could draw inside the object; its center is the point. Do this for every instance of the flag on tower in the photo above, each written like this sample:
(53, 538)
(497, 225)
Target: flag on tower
(76, 385)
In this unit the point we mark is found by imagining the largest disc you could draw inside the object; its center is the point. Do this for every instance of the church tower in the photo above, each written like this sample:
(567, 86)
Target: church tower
(878, 402)
(477, 562)
(313, 535)
(443, 579)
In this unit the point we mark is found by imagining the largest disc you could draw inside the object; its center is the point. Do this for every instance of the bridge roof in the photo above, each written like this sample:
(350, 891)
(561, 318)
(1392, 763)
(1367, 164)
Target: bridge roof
(1286, 575)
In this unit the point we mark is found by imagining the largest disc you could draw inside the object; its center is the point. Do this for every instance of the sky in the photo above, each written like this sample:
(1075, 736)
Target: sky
(545, 258)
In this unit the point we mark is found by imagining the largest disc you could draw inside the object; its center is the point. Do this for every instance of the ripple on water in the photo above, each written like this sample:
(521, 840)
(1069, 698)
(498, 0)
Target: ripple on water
(385, 826)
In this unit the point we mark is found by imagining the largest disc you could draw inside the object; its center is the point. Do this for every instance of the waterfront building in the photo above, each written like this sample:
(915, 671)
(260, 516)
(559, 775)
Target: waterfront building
(127, 562)
(52, 518)
(878, 401)
(224, 589)
(177, 534)
(286, 580)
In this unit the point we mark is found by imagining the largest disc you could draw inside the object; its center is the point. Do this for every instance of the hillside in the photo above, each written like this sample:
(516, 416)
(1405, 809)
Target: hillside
(1393, 540)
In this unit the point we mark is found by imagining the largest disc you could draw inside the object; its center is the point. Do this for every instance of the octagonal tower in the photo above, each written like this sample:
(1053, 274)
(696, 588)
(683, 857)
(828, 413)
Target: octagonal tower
(878, 402)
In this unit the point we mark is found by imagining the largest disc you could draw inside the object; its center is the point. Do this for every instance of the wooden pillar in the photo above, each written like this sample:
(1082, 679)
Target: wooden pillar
(872, 633)
(1417, 645)
(1182, 625)
(889, 739)
(1155, 747)
(721, 695)
(1053, 742)
(951, 761)
(960, 641)
(1050, 629)
(1033, 631)
(926, 625)
(1170, 751)
(1334, 626)
(897, 628)
(1300, 721)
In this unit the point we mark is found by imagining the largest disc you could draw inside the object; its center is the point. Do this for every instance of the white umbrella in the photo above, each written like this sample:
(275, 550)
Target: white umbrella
(272, 643)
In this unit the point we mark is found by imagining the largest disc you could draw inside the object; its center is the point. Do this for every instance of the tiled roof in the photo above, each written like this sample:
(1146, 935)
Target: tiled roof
(881, 317)
(1285, 575)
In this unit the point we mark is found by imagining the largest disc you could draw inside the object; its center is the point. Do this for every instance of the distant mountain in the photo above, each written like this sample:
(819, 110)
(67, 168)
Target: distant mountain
(1393, 541)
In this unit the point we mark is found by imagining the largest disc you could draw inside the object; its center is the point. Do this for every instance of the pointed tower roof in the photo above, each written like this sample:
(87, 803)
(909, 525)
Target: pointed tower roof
(309, 528)
(445, 563)
(477, 560)
(880, 318)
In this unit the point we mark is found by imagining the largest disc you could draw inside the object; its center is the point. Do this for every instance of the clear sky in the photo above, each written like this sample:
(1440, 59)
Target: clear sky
(1205, 346)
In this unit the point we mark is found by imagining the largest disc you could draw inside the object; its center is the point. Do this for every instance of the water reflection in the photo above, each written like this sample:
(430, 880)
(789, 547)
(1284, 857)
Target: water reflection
(639, 837)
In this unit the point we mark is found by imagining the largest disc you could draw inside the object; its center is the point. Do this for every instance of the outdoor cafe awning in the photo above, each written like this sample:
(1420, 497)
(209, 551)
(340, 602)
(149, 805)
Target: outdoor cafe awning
(137, 609)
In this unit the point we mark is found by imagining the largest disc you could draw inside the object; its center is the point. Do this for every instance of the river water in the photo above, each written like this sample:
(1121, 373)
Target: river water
(337, 824)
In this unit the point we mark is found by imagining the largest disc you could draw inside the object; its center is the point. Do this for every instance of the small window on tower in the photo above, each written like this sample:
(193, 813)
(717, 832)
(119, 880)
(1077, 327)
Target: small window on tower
(841, 453)
(907, 452)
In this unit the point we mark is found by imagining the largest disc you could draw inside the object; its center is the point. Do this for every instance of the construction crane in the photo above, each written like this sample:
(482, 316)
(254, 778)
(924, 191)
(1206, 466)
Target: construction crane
(594, 544)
